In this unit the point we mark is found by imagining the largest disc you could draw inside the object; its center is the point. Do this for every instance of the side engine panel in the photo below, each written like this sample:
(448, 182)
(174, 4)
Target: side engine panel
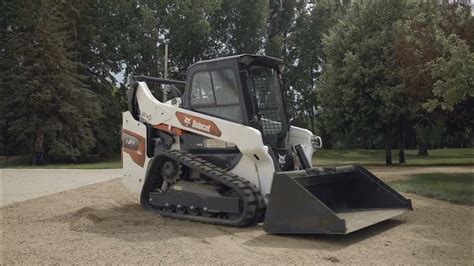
(134, 153)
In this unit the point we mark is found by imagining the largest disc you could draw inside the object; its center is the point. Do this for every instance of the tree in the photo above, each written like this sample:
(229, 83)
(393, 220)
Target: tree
(115, 35)
(99, 30)
(8, 14)
(306, 55)
(435, 64)
(452, 72)
(280, 24)
(237, 27)
(358, 90)
(50, 109)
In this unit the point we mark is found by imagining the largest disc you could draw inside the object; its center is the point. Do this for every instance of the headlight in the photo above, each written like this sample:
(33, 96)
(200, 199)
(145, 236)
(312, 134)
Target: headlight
(316, 142)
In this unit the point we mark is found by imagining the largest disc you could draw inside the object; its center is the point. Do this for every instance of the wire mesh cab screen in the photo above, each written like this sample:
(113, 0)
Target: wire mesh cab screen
(265, 87)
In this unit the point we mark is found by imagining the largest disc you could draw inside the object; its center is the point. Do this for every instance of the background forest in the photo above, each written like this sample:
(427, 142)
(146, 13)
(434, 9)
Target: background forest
(363, 74)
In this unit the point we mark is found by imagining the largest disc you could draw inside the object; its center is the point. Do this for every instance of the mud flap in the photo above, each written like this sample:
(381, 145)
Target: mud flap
(336, 200)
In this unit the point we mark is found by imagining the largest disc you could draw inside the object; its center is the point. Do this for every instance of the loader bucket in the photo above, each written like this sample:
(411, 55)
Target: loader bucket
(336, 200)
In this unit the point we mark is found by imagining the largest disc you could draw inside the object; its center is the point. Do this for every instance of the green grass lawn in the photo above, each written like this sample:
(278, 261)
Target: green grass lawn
(452, 187)
(377, 157)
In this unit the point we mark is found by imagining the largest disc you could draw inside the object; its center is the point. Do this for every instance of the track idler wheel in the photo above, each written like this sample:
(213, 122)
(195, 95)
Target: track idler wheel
(181, 209)
(168, 207)
(194, 211)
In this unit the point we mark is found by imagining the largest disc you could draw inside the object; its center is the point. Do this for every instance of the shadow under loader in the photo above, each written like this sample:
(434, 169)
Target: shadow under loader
(337, 200)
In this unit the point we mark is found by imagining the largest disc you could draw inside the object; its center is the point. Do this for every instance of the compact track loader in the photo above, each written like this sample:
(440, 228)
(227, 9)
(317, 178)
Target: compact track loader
(222, 151)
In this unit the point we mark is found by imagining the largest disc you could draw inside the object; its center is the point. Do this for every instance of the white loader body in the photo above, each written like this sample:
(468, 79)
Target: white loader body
(256, 165)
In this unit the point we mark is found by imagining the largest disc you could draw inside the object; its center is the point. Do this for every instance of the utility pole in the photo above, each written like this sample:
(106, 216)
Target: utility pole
(165, 91)
(166, 60)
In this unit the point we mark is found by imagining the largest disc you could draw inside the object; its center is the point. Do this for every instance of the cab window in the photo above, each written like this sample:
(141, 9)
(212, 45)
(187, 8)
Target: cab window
(202, 92)
(216, 93)
(224, 87)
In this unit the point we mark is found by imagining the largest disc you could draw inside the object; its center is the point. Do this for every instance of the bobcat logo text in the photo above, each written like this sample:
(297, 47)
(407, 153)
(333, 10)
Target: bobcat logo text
(198, 123)
(189, 122)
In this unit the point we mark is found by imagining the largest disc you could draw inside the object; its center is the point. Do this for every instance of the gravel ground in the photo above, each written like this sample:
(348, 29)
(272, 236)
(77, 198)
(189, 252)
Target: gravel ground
(103, 223)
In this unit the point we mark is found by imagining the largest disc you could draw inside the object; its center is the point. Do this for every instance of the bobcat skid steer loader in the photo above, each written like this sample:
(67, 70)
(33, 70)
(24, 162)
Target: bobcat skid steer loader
(222, 151)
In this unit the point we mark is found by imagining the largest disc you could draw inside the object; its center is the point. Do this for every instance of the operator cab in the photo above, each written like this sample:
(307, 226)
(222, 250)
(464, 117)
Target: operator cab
(246, 89)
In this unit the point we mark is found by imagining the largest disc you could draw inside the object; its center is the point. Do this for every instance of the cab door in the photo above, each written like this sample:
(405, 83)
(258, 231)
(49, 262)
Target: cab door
(215, 92)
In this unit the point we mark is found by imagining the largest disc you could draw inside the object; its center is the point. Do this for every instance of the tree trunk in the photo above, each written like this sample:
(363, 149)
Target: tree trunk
(388, 148)
(401, 143)
(311, 119)
(364, 140)
(422, 137)
(311, 109)
(423, 149)
(38, 155)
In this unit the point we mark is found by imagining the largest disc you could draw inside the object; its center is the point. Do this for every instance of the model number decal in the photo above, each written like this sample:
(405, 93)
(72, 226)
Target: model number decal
(134, 145)
(130, 142)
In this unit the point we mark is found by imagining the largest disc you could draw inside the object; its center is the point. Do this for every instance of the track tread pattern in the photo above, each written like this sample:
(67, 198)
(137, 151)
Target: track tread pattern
(253, 209)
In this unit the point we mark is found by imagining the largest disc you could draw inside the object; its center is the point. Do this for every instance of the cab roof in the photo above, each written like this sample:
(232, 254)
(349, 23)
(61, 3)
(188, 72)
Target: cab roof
(248, 59)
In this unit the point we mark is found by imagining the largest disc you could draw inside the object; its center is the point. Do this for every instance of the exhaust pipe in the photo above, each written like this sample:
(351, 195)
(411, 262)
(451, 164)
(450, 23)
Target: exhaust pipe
(337, 200)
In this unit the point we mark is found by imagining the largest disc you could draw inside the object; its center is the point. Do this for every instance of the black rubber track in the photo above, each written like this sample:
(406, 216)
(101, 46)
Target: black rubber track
(253, 206)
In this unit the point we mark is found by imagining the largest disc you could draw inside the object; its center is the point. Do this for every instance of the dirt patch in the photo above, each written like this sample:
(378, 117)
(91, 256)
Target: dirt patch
(103, 223)
(332, 259)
